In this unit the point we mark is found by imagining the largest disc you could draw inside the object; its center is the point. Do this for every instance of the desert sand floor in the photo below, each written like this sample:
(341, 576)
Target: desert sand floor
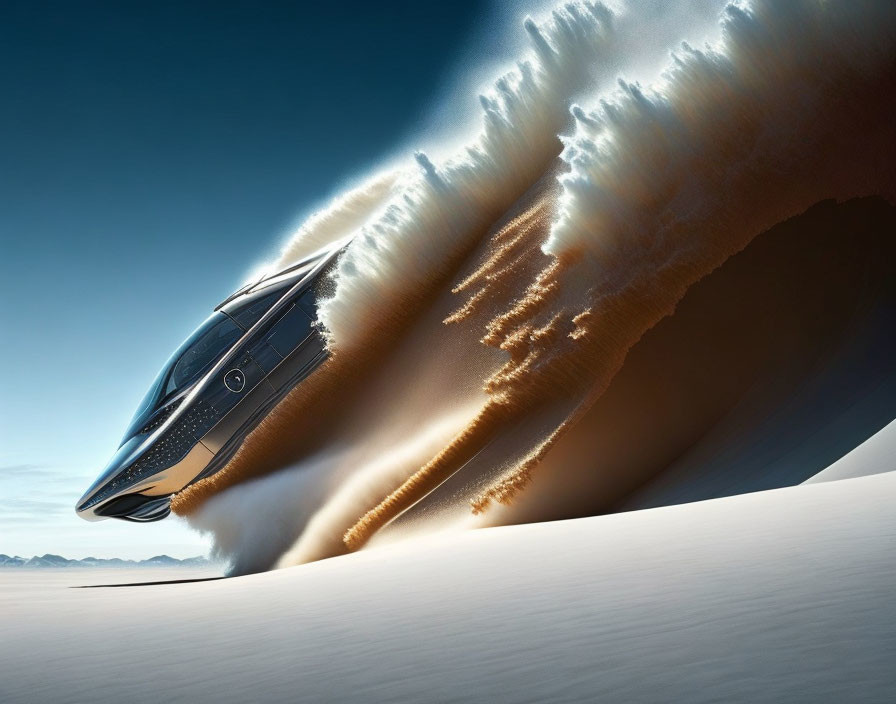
(778, 596)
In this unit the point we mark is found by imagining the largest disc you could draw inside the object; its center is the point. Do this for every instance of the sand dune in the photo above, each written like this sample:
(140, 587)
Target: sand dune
(778, 596)
(874, 456)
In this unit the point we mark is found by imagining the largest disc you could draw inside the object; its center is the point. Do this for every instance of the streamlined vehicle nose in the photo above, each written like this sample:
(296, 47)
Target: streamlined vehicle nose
(214, 390)
(130, 507)
(86, 512)
(105, 500)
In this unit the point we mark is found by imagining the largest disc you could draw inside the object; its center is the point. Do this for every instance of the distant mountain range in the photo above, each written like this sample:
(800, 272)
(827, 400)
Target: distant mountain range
(59, 561)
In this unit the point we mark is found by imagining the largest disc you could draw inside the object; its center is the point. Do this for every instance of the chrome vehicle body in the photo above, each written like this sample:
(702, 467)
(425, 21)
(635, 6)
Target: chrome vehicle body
(215, 389)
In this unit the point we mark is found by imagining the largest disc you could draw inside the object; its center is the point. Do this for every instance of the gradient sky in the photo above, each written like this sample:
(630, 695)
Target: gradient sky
(150, 155)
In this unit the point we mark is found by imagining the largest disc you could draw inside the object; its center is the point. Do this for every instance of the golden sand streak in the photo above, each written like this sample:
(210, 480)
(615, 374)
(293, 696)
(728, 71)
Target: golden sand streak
(515, 481)
(502, 277)
(463, 448)
(506, 243)
(536, 299)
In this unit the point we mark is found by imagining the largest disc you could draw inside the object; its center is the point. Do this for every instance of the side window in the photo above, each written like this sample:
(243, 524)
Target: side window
(248, 313)
(290, 331)
(201, 352)
(198, 352)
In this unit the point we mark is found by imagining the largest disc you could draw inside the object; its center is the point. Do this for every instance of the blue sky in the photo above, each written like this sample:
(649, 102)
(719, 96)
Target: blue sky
(150, 155)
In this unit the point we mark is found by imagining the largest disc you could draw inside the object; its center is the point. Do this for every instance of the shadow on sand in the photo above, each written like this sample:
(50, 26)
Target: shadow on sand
(147, 584)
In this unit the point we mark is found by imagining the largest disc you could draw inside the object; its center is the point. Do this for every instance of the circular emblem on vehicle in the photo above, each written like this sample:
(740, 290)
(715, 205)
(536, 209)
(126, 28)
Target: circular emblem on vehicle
(235, 380)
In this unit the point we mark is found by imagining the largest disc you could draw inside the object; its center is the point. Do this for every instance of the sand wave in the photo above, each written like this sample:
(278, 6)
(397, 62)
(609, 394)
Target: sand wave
(509, 287)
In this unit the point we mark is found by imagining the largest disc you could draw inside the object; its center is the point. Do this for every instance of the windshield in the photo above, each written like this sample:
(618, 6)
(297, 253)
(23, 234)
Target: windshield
(195, 356)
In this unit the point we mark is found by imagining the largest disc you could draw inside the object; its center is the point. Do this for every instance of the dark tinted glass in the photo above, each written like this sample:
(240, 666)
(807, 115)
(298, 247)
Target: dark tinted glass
(207, 343)
(203, 349)
(248, 313)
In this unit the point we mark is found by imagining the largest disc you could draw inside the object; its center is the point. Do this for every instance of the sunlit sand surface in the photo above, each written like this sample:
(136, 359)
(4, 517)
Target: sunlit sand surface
(775, 596)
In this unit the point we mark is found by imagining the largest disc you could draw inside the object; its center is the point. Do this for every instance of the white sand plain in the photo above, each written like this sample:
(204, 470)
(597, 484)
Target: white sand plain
(778, 596)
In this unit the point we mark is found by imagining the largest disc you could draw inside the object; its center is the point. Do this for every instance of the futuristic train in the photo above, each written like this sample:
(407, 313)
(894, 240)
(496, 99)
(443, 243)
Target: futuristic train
(217, 386)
